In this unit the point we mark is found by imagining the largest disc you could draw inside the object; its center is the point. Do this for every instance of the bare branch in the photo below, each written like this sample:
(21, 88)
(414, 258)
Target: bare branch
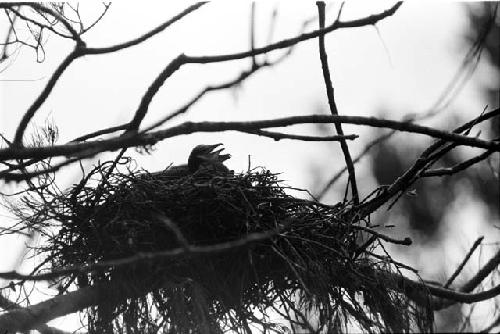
(458, 167)
(6, 304)
(18, 138)
(369, 20)
(183, 59)
(181, 110)
(147, 139)
(7, 37)
(36, 315)
(463, 297)
(252, 32)
(226, 85)
(41, 8)
(464, 262)
(106, 8)
(404, 181)
(278, 136)
(363, 153)
(406, 241)
(491, 265)
(100, 133)
(146, 36)
(333, 105)
(81, 50)
(39, 24)
(25, 175)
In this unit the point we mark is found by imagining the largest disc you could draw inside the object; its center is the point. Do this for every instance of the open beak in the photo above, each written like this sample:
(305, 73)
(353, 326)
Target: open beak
(213, 147)
(215, 155)
(220, 157)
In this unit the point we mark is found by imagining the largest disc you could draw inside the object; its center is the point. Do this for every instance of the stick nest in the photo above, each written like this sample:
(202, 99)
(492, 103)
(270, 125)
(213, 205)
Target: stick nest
(304, 276)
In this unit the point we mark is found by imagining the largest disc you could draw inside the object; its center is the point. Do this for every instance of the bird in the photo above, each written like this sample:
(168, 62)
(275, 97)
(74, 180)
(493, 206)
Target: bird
(202, 157)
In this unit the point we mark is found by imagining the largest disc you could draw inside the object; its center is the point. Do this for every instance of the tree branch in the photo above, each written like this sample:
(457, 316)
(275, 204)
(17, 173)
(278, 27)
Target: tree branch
(331, 101)
(81, 50)
(100, 133)
(369, 20)
(183, 59)
(145, 139)
(39, 7)
(491, 265)
(6, 304)
(405, 242)
(363, 153)
(228, 84)
(36, 315)
(18, 138)
(146, 36)
(278, 136)
(464, 262)
(458, 167)
(405, 180)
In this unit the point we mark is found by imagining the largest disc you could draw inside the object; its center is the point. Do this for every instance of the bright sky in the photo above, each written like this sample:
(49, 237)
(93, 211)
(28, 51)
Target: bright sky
(404, 66)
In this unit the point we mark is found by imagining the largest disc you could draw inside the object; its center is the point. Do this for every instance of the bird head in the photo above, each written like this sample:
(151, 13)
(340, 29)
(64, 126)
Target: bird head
(205, 154)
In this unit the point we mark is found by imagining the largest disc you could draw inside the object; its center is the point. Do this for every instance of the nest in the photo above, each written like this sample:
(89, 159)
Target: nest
(304, 276)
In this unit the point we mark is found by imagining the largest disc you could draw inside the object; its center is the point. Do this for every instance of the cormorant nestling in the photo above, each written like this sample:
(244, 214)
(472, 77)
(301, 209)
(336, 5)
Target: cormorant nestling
(201, 157)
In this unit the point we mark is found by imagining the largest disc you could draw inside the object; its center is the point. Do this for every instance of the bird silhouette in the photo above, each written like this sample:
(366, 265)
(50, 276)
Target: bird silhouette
(202, 157)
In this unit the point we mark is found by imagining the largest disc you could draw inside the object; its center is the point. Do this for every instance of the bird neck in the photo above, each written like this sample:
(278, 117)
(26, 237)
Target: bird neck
(194, 163)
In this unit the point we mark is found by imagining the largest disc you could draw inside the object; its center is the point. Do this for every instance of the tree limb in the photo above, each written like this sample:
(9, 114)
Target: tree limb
(36, 315)
(6, 304)
(145, 139)
(183, 59)
(333, 105)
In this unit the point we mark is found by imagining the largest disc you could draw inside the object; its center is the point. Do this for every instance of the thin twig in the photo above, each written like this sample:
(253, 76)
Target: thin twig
(363, 153)
(464, 262)
(228, 84)
(183, 59)
(404, 181)
(146, 36)
(106, 8)
(278, 136)
(81, 50)
(40, 7)
(365, 21)
(406, 241)
(333, 105)
(252, 33)
(458, 167)
(491, 265)
(25, 175)
(10, 32)
(39, 24)
(100, 133)
(23, 124)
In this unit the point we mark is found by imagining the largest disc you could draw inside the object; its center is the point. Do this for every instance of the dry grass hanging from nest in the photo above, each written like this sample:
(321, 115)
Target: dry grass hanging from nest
(305, 275)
